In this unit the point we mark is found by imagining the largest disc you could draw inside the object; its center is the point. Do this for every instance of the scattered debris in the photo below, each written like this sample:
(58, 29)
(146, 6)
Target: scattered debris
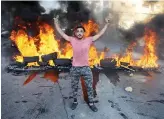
(123, 97)
(65, 97)
(131, 74)
(126, 67)
(24, 101)
(143, 92)
(42, 110)
(145, 115)
(110, 101)
(131, 98)
(159, 101)
(134, 101)
(142, 114)
(129, 89)
(37, 94)
(72, 116)
(149, 104)
(123, 115)
(114, 105)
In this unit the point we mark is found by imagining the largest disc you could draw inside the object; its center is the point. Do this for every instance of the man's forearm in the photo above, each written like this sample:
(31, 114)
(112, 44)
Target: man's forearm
(103, 30)
(59, 29)
(100, 33)
(61, 32)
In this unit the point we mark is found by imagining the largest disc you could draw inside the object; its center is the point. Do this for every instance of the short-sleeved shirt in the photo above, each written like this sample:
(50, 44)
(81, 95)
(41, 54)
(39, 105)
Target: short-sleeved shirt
(81, 51)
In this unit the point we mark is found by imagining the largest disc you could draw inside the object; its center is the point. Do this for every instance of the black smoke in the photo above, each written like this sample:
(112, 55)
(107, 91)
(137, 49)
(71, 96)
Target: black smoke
(23, 12)
(31, 11)
(27, 11)
(156, 24)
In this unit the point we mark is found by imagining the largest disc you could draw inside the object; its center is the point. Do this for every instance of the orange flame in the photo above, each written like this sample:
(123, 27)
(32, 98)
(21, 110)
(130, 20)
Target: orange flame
(90, 27)
(148, 59)
(45, 43)
(48, 43)
(127, 57)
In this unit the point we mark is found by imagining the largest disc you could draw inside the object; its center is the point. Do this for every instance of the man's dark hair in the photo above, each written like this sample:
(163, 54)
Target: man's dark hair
(79, 26)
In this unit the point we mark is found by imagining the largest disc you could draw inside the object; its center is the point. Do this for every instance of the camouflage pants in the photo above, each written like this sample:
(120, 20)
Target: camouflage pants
(86, 73)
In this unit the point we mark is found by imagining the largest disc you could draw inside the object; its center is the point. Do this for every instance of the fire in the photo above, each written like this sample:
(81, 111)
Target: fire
(94, 57)
(127, 57)
(67, 51)
(90, 27)
(148, 59)
(46, 43)
(28, 46)
(25, 45)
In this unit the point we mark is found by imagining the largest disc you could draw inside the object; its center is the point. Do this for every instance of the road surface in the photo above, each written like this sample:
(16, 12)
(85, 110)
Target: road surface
(42, 99)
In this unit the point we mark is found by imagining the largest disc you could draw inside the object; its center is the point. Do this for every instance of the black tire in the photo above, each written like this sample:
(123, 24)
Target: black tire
(63, 62)
(108, 63)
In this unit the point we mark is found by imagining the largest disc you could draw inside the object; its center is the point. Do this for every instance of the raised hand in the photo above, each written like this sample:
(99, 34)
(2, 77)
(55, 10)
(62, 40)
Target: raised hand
(59, 29)
(56, 19)
(108, 19)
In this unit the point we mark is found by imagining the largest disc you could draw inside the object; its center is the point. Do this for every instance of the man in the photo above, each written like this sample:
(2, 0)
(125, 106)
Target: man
(80, 65)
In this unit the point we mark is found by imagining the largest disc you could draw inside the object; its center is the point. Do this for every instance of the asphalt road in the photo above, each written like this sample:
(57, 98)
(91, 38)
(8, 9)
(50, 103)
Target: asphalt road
(41, 99)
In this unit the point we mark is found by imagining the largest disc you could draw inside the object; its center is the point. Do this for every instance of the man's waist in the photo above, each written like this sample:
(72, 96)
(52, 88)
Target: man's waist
(80, 66)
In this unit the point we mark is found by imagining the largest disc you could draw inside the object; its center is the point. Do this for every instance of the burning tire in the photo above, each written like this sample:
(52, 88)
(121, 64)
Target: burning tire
(108, 63)
(63, 62)
(30, 59)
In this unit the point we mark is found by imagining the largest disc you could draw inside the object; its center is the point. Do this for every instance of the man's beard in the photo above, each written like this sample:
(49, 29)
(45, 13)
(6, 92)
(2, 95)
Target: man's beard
(79, 36)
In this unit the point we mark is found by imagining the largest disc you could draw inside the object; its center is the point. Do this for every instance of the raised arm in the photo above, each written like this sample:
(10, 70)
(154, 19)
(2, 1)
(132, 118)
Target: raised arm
(102, 31)
(65, 36)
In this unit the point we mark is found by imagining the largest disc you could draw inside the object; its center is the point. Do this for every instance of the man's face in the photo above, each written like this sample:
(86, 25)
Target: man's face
(79, 33)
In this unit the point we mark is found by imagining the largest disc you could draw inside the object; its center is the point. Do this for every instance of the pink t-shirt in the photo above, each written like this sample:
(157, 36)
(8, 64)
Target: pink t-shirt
(81, 51)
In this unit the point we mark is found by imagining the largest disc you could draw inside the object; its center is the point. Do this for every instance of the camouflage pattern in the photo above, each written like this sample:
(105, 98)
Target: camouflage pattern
(86, 73)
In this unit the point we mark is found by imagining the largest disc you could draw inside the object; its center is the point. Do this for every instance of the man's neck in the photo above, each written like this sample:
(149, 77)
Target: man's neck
(80, 38)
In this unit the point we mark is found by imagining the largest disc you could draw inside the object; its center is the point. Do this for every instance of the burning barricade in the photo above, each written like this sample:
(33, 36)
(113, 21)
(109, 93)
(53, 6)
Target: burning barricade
(43, 52)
